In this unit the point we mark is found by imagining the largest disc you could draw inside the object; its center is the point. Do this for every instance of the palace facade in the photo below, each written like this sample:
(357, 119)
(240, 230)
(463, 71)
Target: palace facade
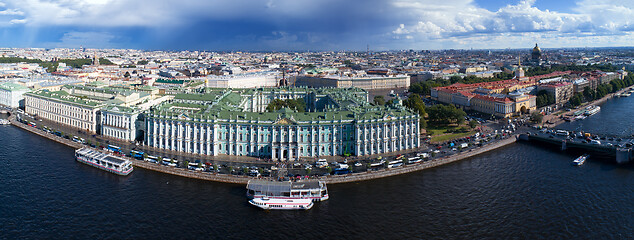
(337, 122)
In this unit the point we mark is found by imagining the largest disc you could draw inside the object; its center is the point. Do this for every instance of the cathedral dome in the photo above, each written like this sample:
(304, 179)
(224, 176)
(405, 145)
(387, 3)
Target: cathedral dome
(537, 52)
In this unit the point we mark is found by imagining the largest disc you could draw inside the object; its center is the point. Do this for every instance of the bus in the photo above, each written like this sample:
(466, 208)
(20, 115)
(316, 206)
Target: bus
(151, 159)
(136, 154)
(396, 163)
(114, 149)
(414, 159)
(341, 171)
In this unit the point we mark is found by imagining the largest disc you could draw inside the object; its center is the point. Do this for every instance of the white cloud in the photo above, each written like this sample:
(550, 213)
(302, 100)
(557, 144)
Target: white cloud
(12, 12)
(463, 22)
(17, 21)
(446, 23)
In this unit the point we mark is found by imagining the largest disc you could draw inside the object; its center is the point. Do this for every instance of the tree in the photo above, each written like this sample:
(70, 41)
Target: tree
(296, 104)
(576, 99)
(473, 123)
(308, 171)
(186, 164)
(445, 114)
(379, 100)
(544, 99)
(537, 117)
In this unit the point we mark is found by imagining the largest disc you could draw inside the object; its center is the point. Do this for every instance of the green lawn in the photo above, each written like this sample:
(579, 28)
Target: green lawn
(436, 139)
(434, 131)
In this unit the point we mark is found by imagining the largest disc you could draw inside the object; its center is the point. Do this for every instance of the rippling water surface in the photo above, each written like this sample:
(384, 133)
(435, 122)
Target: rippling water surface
(520, 191)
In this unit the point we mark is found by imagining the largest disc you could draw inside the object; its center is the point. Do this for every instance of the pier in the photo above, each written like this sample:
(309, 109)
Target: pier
(613, 149)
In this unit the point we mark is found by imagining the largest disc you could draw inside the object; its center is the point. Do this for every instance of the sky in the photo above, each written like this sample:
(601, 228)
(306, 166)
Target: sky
(315, 25)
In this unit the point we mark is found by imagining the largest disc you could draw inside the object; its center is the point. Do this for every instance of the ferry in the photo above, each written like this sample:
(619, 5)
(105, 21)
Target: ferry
(4, 122)
(580, 160)
(592, 110)
(305, 189)
(282, 204)
(104, 161)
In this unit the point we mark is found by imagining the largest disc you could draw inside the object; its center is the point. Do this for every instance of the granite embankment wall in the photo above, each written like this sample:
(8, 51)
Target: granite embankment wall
(354, 177)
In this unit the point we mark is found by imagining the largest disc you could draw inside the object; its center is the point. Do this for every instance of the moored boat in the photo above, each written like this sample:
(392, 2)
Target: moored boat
(592, 110)
(313, 190)
(282, 204)
(106, 162)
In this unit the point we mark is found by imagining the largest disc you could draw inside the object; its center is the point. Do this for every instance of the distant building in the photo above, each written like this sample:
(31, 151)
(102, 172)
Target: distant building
(561, 91)
(536, 55)
(12, 95)
(249, 80)
(367, 83)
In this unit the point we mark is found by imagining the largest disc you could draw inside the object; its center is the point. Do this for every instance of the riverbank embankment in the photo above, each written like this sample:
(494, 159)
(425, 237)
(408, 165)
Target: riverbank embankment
(226, 178)
(553, 120)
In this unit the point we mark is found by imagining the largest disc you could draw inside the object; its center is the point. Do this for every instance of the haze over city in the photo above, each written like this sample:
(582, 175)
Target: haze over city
(299, 25)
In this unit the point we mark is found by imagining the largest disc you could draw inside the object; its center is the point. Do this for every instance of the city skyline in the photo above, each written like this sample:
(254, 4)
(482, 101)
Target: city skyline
(315, 25)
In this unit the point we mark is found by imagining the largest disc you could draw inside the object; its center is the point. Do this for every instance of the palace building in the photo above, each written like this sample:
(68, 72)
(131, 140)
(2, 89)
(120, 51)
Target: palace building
(235, 122)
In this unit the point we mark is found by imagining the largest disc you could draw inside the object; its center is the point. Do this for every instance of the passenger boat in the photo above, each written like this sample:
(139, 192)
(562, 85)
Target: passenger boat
(104, 161)
(592, 110)
(580, 160)
(4, 122)
(282, 204)
(314, 190)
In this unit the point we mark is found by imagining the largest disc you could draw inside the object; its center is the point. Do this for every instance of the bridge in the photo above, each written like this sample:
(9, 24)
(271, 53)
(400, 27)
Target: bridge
(609, 148)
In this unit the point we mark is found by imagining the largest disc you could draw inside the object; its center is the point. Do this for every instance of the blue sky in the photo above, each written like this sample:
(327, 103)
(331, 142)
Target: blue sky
(315, 25)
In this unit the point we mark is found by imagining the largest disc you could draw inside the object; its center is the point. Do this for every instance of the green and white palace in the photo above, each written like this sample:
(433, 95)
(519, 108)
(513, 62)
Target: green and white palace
(236, 122)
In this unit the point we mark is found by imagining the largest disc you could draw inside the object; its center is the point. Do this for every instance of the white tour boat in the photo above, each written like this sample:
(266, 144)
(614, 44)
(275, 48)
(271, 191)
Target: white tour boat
(282, 204)
(313, 190)
(107, 162)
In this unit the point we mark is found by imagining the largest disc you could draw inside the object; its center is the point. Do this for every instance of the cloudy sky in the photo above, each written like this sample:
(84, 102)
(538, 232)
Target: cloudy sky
(315, 24)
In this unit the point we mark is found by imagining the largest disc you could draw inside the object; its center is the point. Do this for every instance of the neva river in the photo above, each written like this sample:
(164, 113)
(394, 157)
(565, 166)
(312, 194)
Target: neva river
(518, 192)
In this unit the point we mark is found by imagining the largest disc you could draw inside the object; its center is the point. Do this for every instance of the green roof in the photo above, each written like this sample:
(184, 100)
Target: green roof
(169, 81)
(13, 87)
(65, 97)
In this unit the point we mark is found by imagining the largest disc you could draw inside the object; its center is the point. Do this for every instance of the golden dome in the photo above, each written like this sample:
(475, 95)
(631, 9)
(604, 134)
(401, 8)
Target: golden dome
(536, 48)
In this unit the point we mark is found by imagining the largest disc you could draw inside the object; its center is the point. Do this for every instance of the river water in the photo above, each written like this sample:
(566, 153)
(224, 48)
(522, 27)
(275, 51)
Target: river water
(520, 191)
